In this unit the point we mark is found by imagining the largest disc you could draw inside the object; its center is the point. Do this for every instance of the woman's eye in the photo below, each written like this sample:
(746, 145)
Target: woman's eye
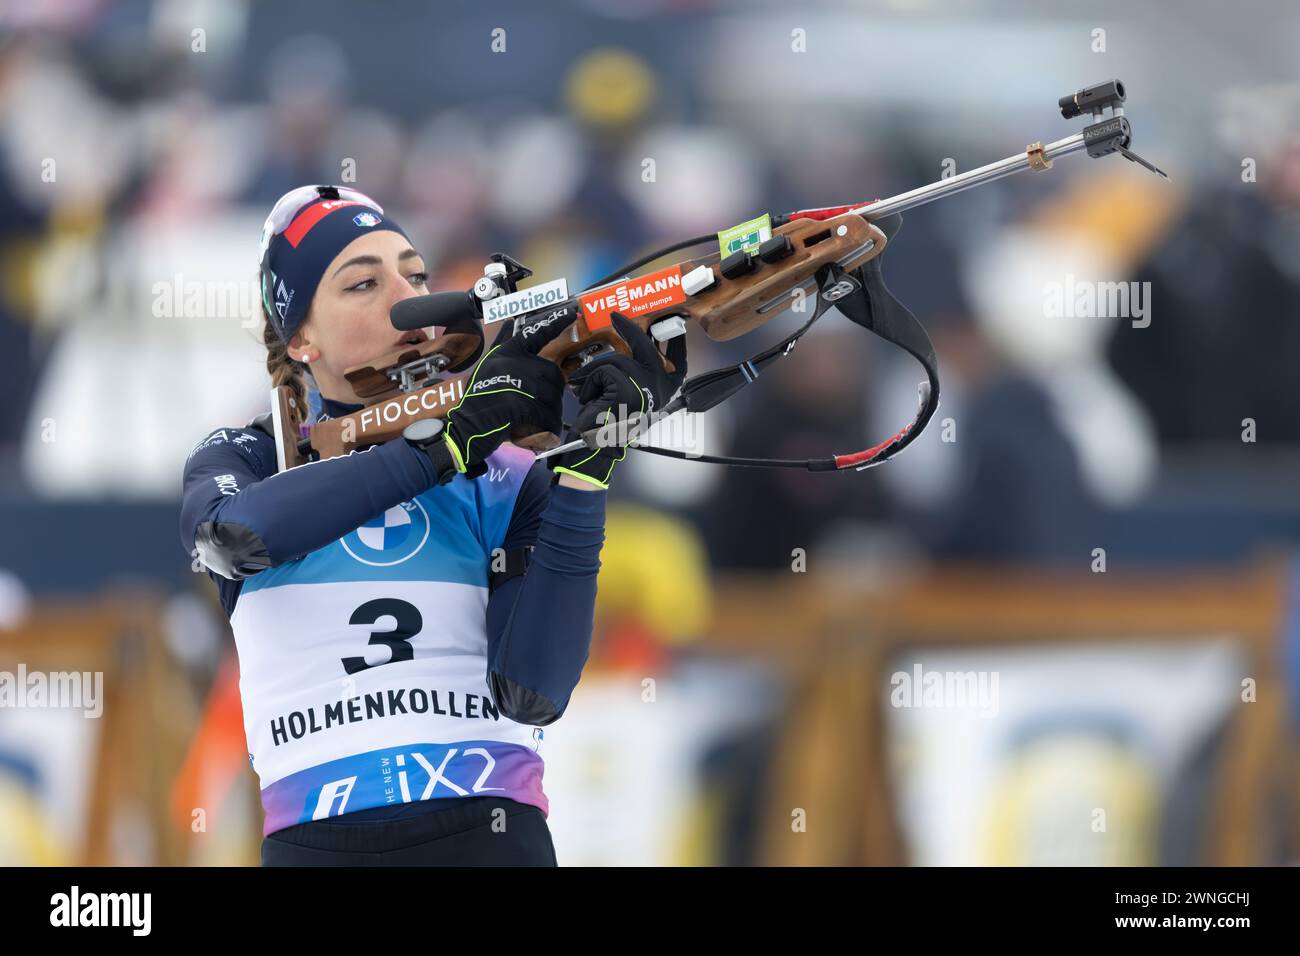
(365, 285)
(419, 278)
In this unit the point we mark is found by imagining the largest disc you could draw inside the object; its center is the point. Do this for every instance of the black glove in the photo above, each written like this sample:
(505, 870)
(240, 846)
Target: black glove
(510, 386)
(613, 389)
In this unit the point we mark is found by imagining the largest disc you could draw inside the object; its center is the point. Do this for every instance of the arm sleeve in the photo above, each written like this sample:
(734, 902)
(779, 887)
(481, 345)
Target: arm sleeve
(526, 518)
(539, 623)
(243, 517)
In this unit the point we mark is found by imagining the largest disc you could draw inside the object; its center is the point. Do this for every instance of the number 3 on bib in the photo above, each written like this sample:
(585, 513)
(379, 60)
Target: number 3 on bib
(398, 640)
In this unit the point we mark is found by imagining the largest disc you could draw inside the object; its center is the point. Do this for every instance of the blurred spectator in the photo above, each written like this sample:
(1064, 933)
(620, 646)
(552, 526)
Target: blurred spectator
(307, 91)
(1225, 293)
(807, 405)
(21, 227)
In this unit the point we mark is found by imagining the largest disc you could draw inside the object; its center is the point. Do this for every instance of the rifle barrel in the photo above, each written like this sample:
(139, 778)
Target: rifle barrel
(967, 180)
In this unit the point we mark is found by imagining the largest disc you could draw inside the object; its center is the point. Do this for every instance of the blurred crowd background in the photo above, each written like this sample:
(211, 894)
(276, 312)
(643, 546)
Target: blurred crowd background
(1127, 482)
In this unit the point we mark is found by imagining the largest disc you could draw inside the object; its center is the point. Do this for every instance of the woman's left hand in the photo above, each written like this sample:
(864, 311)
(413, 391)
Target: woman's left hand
(615, 388)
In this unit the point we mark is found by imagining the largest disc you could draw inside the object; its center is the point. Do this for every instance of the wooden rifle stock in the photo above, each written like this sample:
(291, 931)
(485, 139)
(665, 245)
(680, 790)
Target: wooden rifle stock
(725, 309)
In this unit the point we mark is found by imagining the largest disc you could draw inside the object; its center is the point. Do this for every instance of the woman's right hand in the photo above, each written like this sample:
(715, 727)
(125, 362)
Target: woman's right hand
(511, 385)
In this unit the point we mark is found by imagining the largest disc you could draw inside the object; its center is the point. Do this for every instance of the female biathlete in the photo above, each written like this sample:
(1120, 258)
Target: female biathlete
(407, 616)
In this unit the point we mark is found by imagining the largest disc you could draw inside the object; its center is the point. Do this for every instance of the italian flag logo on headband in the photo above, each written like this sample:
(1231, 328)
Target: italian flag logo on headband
(313, 214)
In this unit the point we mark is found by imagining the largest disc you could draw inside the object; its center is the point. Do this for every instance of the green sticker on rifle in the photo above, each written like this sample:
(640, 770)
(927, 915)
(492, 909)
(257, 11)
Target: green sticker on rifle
(747, 236)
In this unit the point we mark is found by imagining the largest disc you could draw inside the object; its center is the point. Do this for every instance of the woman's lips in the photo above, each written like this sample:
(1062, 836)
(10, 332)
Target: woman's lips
(413, 338)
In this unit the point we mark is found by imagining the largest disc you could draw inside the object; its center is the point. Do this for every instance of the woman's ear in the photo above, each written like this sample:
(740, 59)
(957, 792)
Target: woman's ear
(301, 348)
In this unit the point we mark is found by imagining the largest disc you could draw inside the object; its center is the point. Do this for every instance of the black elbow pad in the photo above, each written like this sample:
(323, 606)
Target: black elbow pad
(231, 550)
(520, 704)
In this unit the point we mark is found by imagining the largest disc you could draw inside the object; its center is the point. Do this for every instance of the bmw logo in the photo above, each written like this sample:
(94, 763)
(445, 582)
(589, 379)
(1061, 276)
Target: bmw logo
(390, 538)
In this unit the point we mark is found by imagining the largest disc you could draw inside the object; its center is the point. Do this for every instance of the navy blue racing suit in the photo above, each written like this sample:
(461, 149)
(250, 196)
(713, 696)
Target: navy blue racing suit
(401, 643)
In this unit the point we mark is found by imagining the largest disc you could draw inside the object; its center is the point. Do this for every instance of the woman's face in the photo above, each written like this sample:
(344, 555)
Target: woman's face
(348, 323)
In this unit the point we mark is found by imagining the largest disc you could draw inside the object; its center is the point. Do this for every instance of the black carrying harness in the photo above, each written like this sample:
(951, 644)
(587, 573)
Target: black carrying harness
(862, 296)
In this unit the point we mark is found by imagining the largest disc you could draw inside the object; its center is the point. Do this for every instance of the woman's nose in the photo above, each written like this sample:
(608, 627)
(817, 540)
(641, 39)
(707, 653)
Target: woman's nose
(404, 290)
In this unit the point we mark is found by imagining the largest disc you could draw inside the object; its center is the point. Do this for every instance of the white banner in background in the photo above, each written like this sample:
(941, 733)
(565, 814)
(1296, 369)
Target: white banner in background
(1070, 764)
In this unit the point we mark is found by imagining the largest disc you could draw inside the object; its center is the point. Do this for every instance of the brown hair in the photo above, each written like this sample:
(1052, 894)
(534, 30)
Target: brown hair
(284, 370)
